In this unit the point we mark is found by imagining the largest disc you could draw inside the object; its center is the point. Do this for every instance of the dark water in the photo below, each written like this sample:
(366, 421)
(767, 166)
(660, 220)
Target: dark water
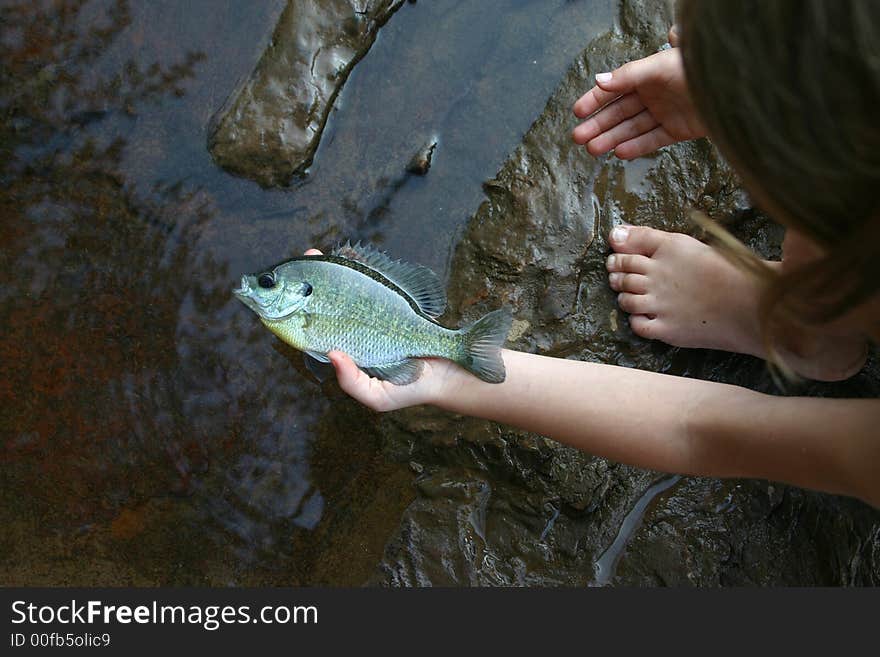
(152, 431)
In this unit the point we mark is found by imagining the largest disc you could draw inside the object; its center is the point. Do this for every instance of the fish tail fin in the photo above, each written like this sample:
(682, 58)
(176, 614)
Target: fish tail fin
(482, 342)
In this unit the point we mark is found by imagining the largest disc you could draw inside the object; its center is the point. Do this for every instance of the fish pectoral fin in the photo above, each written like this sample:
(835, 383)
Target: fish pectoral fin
(319, 365)
(418, 282)
(321, 358)
(400, 373)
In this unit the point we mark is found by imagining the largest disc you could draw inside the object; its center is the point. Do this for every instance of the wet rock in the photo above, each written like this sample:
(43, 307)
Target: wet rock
(421, 161)
(500, 506)
(270, 129)
(753, 533)
(647, 21)
(470, 528)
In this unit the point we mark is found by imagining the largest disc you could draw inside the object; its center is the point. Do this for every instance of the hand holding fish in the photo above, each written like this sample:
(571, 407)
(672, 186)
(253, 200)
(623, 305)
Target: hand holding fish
(375, 320)
(437, 377)
(385, 396)
(587, 405)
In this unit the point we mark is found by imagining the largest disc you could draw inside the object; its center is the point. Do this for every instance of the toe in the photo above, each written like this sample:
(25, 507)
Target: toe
(636, 304)
(645, 327)
(629, 263)
(636, 239)
(628, 282)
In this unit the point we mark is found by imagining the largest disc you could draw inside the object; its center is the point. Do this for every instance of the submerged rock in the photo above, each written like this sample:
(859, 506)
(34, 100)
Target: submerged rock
(270, 129)
(500, 506)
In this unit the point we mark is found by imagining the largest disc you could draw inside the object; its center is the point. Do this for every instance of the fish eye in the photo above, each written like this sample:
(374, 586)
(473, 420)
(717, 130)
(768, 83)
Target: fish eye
(266, 280)
(306, 289)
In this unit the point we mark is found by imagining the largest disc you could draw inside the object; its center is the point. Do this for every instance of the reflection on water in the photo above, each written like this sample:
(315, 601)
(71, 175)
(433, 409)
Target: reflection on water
(152, 432)
(126, 378)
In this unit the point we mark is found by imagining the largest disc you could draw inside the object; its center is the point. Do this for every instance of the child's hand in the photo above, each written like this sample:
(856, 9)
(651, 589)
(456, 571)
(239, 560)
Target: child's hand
(437, 374)
(638, 108)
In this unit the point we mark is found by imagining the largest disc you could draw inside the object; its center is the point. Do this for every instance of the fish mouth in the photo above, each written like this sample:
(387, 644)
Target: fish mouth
(265, 308)
(245, 290)
(246, 295)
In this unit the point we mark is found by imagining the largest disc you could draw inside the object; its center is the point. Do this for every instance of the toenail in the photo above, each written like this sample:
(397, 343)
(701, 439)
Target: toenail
(614, 279)
(612, 260)
(619, 234)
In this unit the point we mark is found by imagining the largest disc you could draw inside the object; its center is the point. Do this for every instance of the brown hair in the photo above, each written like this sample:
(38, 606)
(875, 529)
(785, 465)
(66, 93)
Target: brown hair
(789, 91)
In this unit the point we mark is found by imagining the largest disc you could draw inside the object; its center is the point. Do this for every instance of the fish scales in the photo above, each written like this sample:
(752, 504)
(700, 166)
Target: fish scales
(356, 314)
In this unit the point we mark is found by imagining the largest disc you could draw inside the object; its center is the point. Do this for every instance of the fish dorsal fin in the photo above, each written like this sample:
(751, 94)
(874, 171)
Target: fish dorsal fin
(419, 282)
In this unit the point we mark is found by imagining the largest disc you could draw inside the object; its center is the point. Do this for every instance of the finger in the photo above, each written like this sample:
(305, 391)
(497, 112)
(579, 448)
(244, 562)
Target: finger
(313, 252)
(673, 37)
(619, 82)
(609, 116)
(638, 125)
(643, 144)
(357, 384)
(628, 77)
(348, 373)
(592, 101)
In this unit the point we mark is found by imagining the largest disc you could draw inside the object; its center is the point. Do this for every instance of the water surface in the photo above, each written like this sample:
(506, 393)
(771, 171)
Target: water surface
(153, 431)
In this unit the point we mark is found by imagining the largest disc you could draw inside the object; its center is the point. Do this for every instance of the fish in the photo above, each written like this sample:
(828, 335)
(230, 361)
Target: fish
(381, 312)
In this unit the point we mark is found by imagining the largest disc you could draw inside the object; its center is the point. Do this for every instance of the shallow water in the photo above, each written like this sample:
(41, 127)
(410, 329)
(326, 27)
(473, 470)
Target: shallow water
(153, 432)
(607, 561)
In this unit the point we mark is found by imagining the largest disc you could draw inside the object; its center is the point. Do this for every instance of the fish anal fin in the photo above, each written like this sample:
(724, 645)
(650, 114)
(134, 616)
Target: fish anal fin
(400, 373)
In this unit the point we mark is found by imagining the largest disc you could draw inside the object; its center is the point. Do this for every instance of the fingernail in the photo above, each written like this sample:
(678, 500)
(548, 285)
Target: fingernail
(619, 234)
(610, 262)
(603, 77)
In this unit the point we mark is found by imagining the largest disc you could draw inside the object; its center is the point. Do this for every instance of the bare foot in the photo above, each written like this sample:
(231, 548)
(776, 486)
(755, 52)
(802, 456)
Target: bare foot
(683, 292)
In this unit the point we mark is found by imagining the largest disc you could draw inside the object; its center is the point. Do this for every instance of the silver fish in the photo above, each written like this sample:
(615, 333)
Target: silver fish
(381, 312)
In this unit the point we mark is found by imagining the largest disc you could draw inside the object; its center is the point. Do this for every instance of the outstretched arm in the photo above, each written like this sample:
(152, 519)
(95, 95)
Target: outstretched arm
(656, 421)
